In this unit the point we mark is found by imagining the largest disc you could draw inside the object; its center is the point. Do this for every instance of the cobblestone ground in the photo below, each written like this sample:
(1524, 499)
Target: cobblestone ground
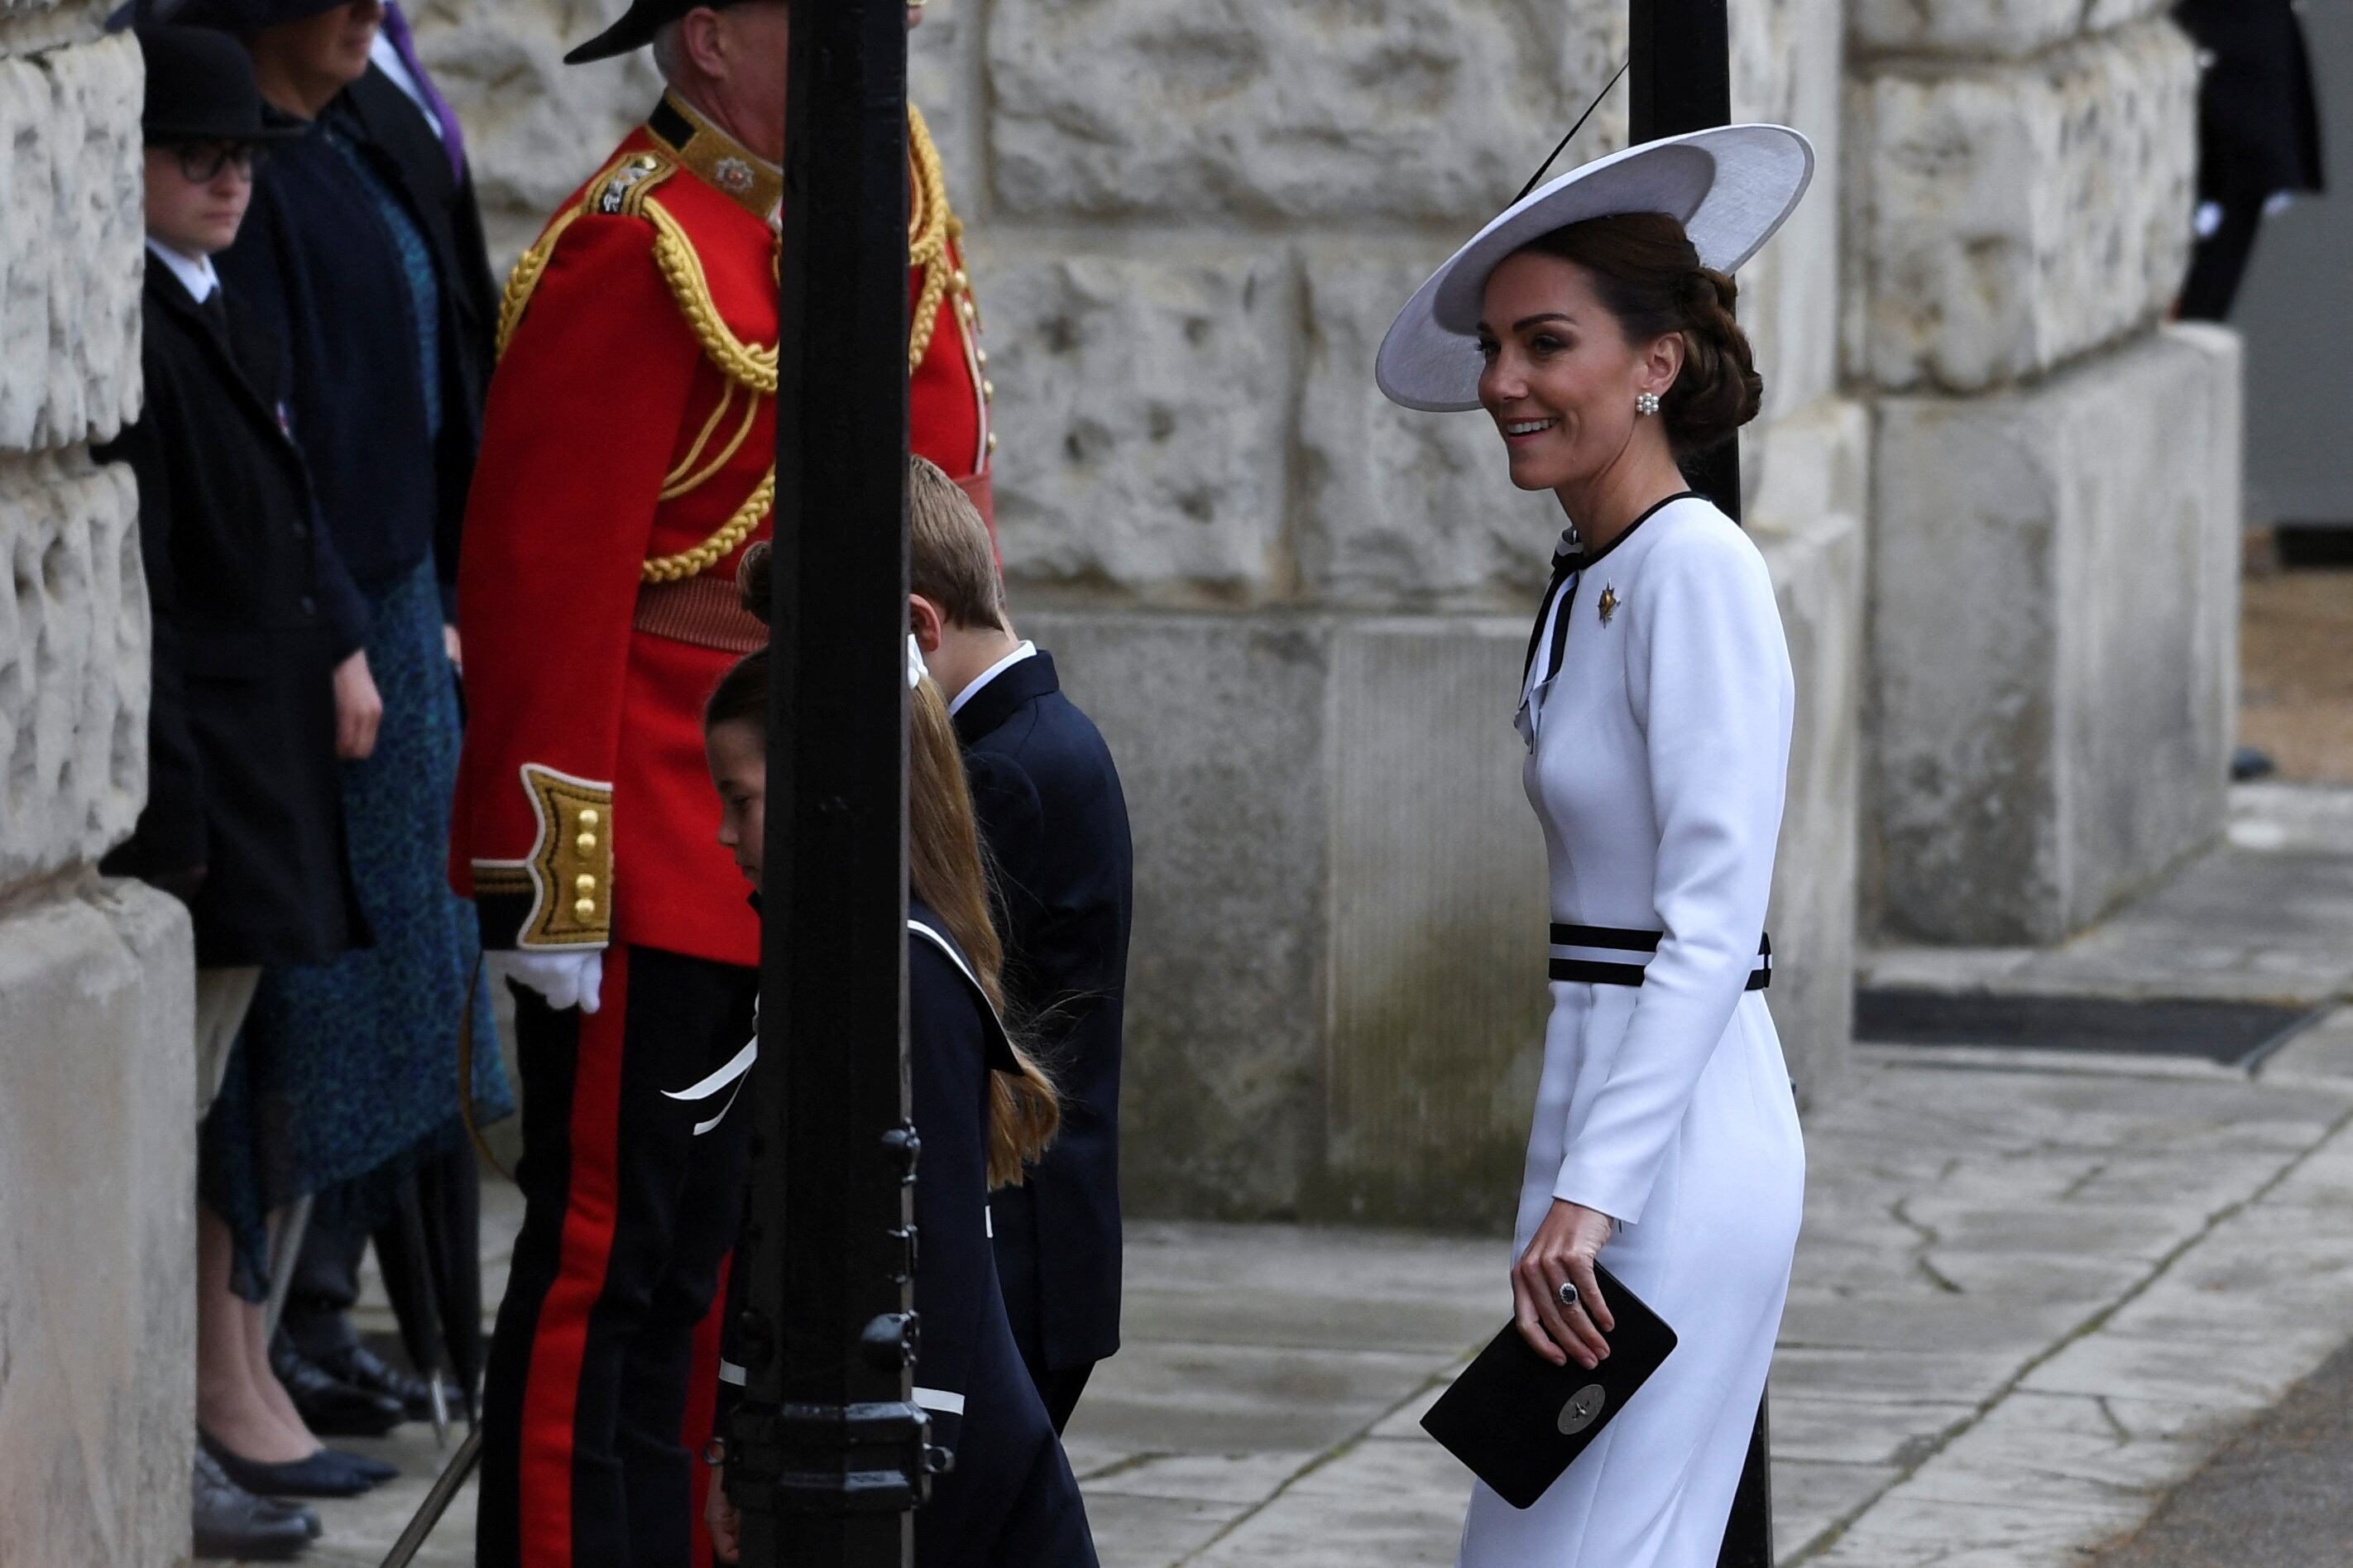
(2035, 1294)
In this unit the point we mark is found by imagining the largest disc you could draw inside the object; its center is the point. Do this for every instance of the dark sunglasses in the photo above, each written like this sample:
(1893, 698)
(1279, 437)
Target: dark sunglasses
(202, 162)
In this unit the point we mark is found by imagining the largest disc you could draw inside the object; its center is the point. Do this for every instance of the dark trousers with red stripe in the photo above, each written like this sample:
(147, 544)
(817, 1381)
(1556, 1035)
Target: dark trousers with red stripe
(627, 1222)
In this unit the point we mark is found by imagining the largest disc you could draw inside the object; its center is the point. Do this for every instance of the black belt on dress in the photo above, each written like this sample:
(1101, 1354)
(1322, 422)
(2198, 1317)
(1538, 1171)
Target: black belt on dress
(1615, 939)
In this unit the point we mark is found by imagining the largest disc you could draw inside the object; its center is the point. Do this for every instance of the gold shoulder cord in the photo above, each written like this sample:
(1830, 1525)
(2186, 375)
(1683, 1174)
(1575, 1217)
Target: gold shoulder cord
(627, 185)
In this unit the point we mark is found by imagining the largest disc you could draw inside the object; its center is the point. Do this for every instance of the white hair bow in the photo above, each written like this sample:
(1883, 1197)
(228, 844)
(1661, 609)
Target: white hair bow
(916, 671)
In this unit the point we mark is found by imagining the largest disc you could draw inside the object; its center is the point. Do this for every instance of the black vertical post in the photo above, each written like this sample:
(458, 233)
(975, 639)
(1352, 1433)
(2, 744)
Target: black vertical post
(827, 1451)
(1682, 80)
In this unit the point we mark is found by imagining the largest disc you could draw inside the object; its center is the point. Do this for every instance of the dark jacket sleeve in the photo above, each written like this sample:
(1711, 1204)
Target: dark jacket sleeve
(170, 840)
(348, 617)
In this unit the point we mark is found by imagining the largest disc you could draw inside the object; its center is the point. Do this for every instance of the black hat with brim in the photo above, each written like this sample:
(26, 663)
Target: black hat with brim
(637, 27)
(223, 16)
(200, 87)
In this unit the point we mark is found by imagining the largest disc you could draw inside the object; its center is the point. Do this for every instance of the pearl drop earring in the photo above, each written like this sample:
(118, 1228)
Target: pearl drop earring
(1646, 402)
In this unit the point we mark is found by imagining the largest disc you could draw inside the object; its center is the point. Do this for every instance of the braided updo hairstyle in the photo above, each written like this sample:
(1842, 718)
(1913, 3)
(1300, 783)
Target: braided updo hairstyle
(1648, 274)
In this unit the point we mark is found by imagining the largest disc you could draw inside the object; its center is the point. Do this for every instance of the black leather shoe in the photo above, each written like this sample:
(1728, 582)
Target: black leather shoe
(323, 1475)
(363, 1369)
(374, 1470)
(330, 1406)
(231, 1521)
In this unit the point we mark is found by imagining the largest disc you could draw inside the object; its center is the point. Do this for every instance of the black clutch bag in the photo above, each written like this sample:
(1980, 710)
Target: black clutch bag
(1518, 1421)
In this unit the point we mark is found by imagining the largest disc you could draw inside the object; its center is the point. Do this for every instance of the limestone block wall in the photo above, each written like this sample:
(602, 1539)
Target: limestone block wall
(97, 1073)
(1296, 610)
(2043, 741)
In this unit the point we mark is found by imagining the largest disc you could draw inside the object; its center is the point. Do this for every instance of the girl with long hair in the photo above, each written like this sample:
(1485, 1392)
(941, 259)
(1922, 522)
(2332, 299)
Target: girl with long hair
(983, 1108)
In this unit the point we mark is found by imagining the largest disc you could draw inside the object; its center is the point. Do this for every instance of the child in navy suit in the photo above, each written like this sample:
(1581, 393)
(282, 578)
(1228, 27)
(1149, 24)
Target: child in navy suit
(1056, 822)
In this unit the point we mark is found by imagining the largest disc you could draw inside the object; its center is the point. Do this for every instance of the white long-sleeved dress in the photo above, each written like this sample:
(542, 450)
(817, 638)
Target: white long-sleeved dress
(1658, 767)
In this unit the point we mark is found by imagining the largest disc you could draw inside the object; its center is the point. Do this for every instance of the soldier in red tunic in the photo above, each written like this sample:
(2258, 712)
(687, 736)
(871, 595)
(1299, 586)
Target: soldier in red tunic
(626, 463)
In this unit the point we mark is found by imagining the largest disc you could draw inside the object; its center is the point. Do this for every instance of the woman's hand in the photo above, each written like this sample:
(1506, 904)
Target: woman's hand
(726, 1524)
(454, 647)
(1564, 1249)
(359, 709)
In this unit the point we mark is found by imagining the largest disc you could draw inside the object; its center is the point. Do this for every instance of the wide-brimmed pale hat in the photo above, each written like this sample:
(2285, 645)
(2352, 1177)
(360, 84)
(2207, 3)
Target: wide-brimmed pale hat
(1731, 186)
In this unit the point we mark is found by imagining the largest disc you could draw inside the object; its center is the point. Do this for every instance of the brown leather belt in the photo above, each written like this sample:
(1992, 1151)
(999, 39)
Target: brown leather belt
(704, 611)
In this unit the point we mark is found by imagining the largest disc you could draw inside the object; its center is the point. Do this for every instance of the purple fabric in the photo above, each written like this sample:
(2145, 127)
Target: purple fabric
(453, 138)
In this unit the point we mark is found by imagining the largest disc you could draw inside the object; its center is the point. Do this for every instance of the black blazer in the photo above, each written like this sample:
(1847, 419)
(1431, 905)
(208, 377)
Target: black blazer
(241, 776)
(1056, 820)
(1010, 1501)
(2258, 118)
(317, 264)
(386, 124)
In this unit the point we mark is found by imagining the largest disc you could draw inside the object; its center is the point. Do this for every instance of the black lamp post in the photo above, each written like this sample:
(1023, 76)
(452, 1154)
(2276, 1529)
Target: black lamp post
(1682, 80)
(828, 1450)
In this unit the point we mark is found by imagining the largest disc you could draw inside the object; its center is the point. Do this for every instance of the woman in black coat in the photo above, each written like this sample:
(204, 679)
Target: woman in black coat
(982, 1109)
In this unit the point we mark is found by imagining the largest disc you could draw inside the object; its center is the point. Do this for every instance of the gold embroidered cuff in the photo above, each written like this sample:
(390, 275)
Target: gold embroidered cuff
(571, 865)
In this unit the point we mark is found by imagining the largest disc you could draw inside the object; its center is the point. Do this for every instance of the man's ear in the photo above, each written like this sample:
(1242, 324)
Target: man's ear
(699, 39)
(925, 619)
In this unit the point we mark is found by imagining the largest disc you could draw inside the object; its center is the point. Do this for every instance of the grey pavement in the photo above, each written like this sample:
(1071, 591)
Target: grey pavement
(2277, 1497)
(2035, 1294)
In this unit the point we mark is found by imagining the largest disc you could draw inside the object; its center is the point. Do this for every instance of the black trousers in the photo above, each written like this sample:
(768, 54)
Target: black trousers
(2218, 263)
(629, 1217)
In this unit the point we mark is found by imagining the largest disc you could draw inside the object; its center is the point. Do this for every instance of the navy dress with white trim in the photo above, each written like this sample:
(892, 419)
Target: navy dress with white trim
(1010, 1501)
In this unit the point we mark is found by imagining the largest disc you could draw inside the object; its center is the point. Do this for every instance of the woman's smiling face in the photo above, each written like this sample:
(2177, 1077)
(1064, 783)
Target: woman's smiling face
(1560, 379)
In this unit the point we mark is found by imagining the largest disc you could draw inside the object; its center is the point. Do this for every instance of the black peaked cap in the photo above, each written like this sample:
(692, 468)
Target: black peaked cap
(200, 87)
(637, 27)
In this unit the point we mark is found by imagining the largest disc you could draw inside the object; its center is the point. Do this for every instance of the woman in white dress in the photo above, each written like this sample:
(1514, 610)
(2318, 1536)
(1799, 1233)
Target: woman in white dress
(1592, 322)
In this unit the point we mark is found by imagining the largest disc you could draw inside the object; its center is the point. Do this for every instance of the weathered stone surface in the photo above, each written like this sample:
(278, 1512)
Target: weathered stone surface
(1788, 294)
(1805, 512)
(1137, 403)
(73, 664)
(1218, 725)
(535, 127)
(97, 1260)
(2000, 27)
(1349, 110)
(69, 255)
(1436, 927)
(1400, 509)
(2052, 642)
(2004, 219)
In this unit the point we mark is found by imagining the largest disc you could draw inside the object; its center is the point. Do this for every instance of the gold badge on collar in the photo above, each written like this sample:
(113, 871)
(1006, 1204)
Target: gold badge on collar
(1608, 605)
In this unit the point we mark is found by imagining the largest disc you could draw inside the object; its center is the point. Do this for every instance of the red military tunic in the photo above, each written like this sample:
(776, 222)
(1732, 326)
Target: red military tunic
(626, 463)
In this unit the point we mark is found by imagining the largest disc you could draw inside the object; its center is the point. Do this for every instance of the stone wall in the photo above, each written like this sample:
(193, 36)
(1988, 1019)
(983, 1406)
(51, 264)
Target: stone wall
(97, 1075)
(2056, 484)
(1296, 610)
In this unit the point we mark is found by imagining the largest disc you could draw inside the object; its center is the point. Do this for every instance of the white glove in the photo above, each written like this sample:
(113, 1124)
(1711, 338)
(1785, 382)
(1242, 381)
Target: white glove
(571, 979)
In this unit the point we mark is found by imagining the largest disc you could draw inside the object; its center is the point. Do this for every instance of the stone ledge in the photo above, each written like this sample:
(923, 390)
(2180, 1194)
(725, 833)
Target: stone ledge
(97, 1233)
(2053, 600)
(2005, 29)
(73, 663)
(2003, 219)
(70, 257)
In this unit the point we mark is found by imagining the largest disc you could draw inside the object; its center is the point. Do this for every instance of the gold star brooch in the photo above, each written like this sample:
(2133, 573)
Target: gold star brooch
(1608, 605)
